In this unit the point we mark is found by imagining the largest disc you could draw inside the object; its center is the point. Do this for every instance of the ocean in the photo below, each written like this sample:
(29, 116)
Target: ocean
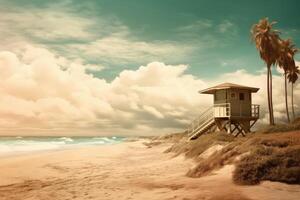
(17, 145)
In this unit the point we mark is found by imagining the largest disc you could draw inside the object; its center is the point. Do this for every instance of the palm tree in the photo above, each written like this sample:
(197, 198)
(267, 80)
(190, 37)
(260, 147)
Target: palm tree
(286, 62)
(293, 77)
(267, 43)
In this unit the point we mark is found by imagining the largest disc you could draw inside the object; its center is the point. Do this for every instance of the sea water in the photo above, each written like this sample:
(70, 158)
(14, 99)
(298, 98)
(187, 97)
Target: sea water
(16, 145)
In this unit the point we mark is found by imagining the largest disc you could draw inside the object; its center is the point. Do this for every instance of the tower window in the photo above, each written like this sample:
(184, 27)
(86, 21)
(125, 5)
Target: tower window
(232, 95)
(242, 96)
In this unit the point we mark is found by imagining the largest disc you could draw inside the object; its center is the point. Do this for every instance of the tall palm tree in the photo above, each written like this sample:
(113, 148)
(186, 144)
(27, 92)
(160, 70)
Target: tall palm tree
(292, 75)
(267, 43)
(287, 63)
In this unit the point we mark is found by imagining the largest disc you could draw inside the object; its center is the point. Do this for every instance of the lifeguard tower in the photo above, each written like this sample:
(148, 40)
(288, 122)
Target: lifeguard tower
(232, 111)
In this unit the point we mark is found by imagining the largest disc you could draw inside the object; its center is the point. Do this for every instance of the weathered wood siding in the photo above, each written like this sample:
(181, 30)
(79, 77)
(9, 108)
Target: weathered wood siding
(240, 107)
(220, 97)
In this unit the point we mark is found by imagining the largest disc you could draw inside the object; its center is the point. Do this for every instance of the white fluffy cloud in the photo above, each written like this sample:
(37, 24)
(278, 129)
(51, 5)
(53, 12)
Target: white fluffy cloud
(44, 94)
(38, 92)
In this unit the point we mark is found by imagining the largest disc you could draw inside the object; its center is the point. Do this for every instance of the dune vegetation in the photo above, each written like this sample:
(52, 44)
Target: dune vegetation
(272, 153)
(273, 157)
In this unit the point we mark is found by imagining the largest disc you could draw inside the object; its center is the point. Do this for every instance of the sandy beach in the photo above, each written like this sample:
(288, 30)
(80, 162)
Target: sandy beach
(129, 170)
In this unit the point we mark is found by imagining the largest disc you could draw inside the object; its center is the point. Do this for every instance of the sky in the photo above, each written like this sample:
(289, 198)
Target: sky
(130, 67)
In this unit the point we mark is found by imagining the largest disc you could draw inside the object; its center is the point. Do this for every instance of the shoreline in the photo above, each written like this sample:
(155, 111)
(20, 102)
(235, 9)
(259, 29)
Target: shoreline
(15, 146)
(42, 151)
(128, 170)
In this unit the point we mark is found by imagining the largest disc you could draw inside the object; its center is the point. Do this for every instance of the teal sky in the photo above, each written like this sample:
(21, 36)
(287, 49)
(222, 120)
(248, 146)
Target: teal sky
(211, 37)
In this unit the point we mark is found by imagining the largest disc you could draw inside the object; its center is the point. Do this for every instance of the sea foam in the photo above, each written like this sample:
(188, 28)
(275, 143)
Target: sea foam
(13, 145)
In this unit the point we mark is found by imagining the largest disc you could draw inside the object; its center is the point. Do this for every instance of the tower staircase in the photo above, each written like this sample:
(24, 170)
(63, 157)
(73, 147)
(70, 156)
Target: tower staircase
(202, 124)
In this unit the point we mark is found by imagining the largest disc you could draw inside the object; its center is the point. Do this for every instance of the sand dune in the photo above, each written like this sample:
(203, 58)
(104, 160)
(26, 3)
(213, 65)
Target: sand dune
(124, 171)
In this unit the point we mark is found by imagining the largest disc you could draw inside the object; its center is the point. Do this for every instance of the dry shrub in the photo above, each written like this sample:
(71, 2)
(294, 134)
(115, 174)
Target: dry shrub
(173, 137)
(296, 121)
(274, 156)
(282, 127)
(168, 138)
(275, 143)
(193, 148)
(269, 163)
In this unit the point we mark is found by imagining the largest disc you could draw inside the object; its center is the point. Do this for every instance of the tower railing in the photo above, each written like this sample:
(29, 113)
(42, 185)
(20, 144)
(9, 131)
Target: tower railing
(255, 110)
(222, 110)
(204, 118)
(240, 110)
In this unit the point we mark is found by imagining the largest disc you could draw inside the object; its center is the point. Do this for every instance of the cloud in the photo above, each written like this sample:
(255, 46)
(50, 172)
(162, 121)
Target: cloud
(44, 25)
(291, 32)
(55, 23)
(104, 41)
(153, 111)
(122, 50)
(205, 26)
(198, 25)
(40, 95)
(209, 33)
(226, 26)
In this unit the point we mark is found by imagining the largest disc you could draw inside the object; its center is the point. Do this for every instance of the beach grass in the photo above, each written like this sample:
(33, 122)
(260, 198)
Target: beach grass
(275, 158)
(272, 153)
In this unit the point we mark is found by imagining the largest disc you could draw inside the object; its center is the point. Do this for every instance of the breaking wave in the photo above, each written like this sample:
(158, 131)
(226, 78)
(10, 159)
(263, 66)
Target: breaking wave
(12, 145)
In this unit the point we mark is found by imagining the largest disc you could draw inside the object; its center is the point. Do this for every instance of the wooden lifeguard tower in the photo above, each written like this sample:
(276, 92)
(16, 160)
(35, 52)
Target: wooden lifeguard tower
(232, 111)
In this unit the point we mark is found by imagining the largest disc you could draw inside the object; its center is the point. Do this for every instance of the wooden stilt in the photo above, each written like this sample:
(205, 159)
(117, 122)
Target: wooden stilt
(229, 127)
(235, 128)
(239, 130)
(252, 124)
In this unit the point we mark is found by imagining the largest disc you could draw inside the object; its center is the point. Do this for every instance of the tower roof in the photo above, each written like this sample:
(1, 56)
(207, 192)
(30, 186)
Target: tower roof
(223, 86)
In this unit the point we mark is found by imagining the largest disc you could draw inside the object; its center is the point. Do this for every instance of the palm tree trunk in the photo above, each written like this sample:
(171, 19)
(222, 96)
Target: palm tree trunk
(268, 91)
(271, 96)
(286, 100)
(293, 111)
